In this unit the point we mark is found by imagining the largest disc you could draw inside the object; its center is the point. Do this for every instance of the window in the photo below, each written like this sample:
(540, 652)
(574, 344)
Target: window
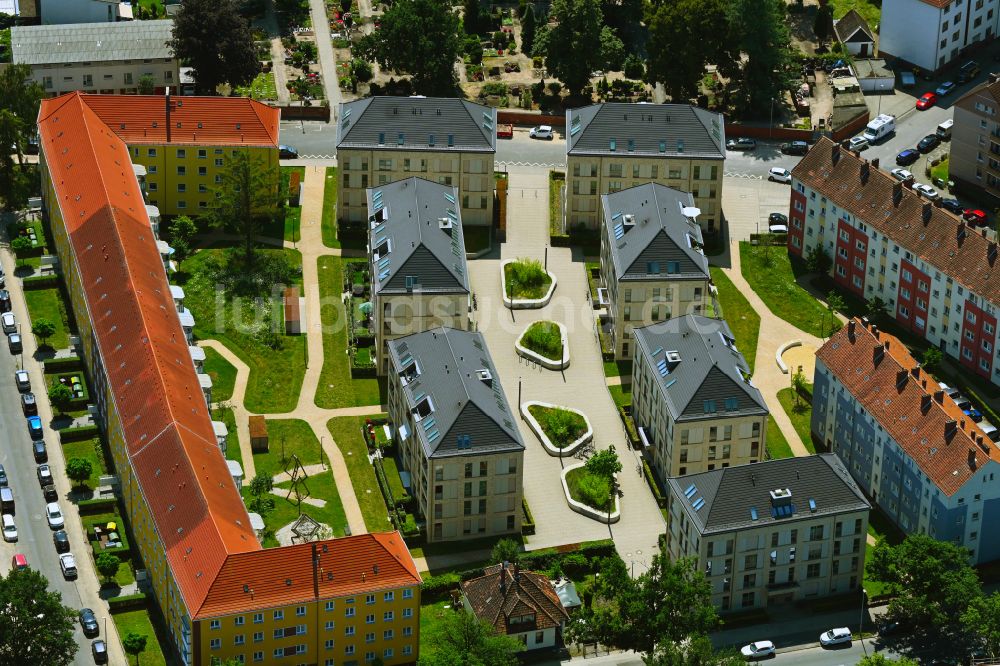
(329, 625)
(328, 644)
(128, 78)
(387, 652)
(279, 615)
(407, 650)
(258, 636)
(239, 620)
(215, 624)
(812, 571)
(408, 593)
(258, 656)
(349, 650)
(389, 596)
(300, 611)
(349, 631)
(181, 170)
(370, 599)
(216, 643)
(88, 80)
(407, 631)
(239, 639)
(258, 618)
(151, 152)
(370, 637)
(388, 616)
(349, 612)
(387, 635)
(407, 612)
(218, 161)
(181, 187)
(202, 153)
(370, 619)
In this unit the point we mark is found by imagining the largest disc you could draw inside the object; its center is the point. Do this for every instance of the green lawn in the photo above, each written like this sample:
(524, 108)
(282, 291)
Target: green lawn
(138, 622)
(430, 626)
(800, 413)
(48, 304)
(223, 374)
(275, 373)
(736, 310)
(769, 272)
(941, 170)
(869, 11)
(777, 445)
(336, 388)
(621, 394)
(555, 201)
(476, 237)
(346, 431)
(89, 449)
(292, 230)
(261, 88)
(287, 437)
(880, 525)
(328, 224)
(123, 577)
(233, 451)
(618, 368)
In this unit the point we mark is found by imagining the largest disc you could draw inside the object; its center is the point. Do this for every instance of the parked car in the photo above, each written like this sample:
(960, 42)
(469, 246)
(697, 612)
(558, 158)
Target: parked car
(44, 474)
(14, 343)
(68, 565)
(962, 402)
(61, 541)
(54, 516)
(928, 143)
(541, 132)
(758, 650)
(100, 651)
(743, 143)
(4, 300)
(22, 380)
(9, 528)
(945, 88)
(838, 636)
(777, 218)
(858, 142)
(968, 71)
(49, 493)
(973, 414)
(795, 148)
(974, 216)
(287, 153)
(777, 228)
(9, 322)
(907, 157)
(89, 623)
(38, 448)
(925, 190)
(28, 404)
(926, 101)
(3, 477)
(779, 175)
(952, 206)
(7, 500)
(19, 561)
(35, 428)
(901, 175)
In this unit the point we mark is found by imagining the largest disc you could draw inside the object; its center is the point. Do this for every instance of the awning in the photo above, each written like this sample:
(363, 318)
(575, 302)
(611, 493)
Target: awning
(187, 319)
(404, 432)
(197, 353)
(177, 292)
(644, 439)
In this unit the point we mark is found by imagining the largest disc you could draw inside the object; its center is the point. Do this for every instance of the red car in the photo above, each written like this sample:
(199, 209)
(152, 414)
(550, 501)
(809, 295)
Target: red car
(926, 101)
(974, 216)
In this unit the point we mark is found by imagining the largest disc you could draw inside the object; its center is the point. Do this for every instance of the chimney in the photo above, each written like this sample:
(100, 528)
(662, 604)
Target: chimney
(991, 252)
(972, 459)
(865, 170)
(850, 330)
(925, 214)
(517, 574)
(835, 155)
(503, 577)
(950, 428)
(925, 403)
(167, 100)
(960, 232)
(874, 162)
(901, 379)
(915, 371)
(897, 194)
(939, 397)
(878, 353)
(875, 331)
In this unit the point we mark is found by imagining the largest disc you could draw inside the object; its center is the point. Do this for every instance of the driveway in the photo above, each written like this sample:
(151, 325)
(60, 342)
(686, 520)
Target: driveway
(527, 232)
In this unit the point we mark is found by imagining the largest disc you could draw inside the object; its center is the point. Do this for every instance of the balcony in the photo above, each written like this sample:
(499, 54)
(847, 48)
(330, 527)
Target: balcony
(777, 587)
(197, 357)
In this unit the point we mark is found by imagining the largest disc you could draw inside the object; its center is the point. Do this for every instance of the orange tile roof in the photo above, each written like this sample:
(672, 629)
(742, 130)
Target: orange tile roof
(285, 576)
(940, 238)
(916, 423)
(504, 591)
(216, 121)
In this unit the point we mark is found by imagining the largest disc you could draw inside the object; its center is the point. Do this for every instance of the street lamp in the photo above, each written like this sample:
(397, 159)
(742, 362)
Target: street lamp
(861, 620)
(770, 124)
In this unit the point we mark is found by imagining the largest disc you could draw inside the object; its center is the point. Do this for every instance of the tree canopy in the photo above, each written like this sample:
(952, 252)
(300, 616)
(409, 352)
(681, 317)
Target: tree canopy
(246, 199)
(696, 652)
(572, 47)
(79, 470)
(764, 38)
(212, 37)
(461, 639)
(37, 627)
(420, 38)
(20, 97)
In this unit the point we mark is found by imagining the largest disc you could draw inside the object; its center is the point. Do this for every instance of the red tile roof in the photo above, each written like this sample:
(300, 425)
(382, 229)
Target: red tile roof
(214, 121)
(285, 576)
(917, 423)
(937, 237)
(505, 591)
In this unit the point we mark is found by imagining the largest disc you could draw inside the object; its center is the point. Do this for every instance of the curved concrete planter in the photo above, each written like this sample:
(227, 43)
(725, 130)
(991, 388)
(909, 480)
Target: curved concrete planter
(585, 510)
(781, 352)
(550, 448)
(542, 360)
(523, 303)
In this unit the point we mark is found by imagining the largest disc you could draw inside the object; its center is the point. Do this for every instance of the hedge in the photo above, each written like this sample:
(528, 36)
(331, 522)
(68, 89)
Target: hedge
(360, 373)
(633, 434)
(63, 364)
(127, 602)
(527, 523)
(79, 433)
(40, 281)
(654, 485)
(89, 507)
(436, 588)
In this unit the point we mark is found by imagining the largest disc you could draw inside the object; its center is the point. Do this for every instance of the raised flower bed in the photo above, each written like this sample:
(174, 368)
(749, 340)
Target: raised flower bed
(526, 285)
(590, 495)
(545, 343)
(562, 430)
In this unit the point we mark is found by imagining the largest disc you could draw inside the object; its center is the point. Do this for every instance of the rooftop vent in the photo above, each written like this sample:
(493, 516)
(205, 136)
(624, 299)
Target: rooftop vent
(781, 496)
(485, 376)
(444, 223)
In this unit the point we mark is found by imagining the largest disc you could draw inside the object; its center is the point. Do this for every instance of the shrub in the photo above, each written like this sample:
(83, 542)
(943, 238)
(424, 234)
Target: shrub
(592, 490)
(127, 602)
(634, 68)
(78, 433)
(40, 281)
(561, 426)
(438, 587)
(63, 364)
(94, 506)
(575, 565)
(527, 522)
(545, 338)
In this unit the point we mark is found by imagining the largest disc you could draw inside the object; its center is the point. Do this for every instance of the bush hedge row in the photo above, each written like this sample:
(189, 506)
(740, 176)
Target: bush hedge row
(89, 507)
(127, 602)
(40, 281)
(527, 522)
(654, 485)
(79, 433)
(63, 364)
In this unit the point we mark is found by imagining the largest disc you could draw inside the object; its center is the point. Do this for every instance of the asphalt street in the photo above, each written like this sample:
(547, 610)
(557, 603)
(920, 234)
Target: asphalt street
(837, 656)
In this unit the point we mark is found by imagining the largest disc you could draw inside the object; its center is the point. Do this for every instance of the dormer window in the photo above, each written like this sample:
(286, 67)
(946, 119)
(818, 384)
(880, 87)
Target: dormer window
(410, 371)
(379, 216)
(383, 248)
(423, 409)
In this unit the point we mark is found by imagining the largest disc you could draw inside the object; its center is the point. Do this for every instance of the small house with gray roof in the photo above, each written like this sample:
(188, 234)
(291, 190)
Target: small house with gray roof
(774, 532)
(445, 140)
(652, 264)
(458, 439)
(692, 400)
(614, 146)
(417, 255)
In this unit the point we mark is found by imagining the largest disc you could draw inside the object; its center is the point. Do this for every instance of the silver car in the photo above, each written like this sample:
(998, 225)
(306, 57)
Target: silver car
(53, 514)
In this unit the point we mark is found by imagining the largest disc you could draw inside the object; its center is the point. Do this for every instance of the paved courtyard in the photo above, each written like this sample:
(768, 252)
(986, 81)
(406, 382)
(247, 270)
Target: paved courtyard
(581, 386)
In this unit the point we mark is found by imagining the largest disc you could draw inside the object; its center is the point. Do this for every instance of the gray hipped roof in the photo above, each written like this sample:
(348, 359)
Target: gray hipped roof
(696, 361)
(852, 27)
(407, 217)
(649, 130)
(469, 414)
(417, 123)
(91, 42)
(728, 499)
(648, 232)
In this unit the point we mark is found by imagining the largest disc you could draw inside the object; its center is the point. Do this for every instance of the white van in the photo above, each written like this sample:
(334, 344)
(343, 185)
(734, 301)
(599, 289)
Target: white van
(943, 130)
(880, 128)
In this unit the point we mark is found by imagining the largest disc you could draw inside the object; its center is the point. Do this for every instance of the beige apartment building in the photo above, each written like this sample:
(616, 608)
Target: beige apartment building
(776, 532)
(974, 160)
(615, 146)
(652, 264)
(444, 140)
(107, 58)
(458, 439)
(692, 400)
(417, 254)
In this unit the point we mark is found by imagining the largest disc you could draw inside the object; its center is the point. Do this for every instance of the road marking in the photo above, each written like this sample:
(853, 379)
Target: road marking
(317, 157)
(736, 174)
(532, 164)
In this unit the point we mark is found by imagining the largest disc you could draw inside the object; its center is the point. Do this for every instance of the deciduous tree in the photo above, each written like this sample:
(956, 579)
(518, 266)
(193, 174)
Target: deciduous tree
(21, 246)
(764, 38)
(461, 639)
(182, 230)
(37, 627)
(134, 644)
(696, 652)
(60, 396)
(43, 328)
(982, 620)
(572, 47)
(604, 464)
(823, 22)
(107, 565)
(879, 659)
(79, 469)
(931, 358)
(505, 550)
(216, 41)
(146, 84)
(246, 199)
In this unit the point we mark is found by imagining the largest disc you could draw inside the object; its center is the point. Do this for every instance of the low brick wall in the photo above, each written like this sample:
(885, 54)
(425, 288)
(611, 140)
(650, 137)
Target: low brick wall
(765, 132)
(305, 113)
(512, 117)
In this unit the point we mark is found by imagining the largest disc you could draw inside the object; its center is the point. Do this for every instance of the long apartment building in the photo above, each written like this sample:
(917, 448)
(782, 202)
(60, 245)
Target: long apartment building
(107, 58)
(223, 596)
(614, 146)
(445, 140)
(780, 531)
(458, 438)
(692, 400)
(934, 33)
(652, 264)
(974, 157)
(923, 462)
(417, 252)
(934, 274)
